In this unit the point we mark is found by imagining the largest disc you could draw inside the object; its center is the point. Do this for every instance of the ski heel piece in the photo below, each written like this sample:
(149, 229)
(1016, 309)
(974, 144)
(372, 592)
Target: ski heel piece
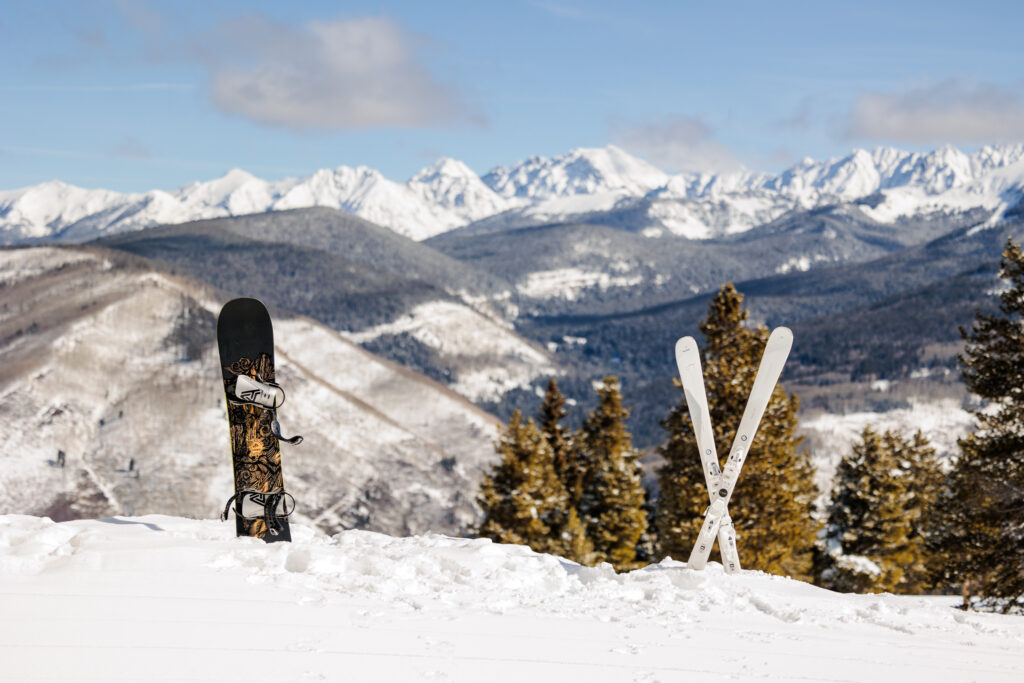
(270, 507)
(727, 546)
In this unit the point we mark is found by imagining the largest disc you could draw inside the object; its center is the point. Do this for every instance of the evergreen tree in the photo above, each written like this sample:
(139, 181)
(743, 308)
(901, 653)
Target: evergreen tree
(775, 493)
(552, 413)
(523, 500)
(612, 499)
(924, 482)
(868, 535)
(568, 470)
(982, 537)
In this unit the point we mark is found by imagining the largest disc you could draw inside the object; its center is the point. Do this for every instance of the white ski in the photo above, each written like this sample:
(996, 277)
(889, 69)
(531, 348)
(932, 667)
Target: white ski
(688, 360)
(772, 361)
(692, 377)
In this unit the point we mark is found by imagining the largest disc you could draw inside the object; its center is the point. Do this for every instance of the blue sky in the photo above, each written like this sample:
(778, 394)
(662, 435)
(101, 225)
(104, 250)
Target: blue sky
(136, 95)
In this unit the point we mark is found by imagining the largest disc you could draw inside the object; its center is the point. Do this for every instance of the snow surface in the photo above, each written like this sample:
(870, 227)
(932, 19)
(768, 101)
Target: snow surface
(570, 186)
(161, 598)
(569, 283)
(490, 358)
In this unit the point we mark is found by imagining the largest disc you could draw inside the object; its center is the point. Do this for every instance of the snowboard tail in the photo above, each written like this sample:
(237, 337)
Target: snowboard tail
(245, 338)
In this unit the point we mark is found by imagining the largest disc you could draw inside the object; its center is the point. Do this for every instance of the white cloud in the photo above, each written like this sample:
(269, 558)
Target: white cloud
(680, 143)
(956, 110)
(356, 73)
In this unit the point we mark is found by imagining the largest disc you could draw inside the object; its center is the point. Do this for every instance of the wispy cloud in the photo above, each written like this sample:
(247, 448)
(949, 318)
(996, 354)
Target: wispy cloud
(130, 148)
(679, 143)
(120, 87)
(356, 73)
(956, 110)
(801, 120)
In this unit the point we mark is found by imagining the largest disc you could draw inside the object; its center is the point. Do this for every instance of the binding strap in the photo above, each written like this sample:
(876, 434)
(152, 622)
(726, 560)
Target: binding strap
(250, 391)
(247, 391)
(271, 507)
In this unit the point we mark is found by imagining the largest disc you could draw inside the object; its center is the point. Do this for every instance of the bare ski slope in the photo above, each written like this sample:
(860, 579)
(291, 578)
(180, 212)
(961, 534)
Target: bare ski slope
(161, 598)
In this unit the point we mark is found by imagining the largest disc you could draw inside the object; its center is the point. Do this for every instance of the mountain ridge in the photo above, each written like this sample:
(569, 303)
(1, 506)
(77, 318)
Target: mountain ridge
(449, 195)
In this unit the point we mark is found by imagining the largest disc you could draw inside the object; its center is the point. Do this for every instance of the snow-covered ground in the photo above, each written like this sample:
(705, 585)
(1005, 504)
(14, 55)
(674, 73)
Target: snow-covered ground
(569, 283)
(490, 358)
(163, 598)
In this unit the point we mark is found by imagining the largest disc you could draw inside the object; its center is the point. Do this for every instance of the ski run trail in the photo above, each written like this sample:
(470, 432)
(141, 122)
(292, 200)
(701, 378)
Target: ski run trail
(160, 598)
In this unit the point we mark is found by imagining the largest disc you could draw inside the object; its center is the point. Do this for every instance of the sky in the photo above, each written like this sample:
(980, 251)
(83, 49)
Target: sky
(132, 95)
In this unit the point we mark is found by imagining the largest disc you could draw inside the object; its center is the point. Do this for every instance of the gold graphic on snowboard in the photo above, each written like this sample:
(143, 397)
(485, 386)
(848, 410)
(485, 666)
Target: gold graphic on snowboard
(255, 451)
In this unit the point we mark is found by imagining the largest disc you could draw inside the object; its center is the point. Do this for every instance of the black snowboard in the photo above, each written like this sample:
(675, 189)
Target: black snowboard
(246, 341)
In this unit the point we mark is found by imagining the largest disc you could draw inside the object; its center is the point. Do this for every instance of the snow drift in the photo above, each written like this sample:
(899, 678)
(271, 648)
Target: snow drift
(165, 598)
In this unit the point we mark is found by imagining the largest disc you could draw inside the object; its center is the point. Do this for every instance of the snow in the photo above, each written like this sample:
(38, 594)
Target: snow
(831, 435)
(455, 188)
(607, 170)
(570, 283)
(801, 263)
(488, 357)
(570, 186)
(166, 598)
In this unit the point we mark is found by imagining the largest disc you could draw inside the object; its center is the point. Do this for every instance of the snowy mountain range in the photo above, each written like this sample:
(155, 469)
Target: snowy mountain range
(888, 183)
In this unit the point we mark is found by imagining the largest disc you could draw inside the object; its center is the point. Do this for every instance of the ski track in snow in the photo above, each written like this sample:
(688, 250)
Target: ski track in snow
(165, 598)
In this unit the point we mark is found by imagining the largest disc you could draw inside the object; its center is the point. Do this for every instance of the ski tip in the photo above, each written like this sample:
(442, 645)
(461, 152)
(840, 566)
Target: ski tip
(685, 345)
(781, 335)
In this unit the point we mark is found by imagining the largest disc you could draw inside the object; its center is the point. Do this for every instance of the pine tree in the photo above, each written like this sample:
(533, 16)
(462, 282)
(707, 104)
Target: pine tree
(775, 493)
(982, 537)
(612, 499)
(523, 500)
(549, 419)
(868, 534)
(569, 527)
(924, 482)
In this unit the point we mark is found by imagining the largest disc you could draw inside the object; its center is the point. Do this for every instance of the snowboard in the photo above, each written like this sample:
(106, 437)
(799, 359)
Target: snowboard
(245, 338)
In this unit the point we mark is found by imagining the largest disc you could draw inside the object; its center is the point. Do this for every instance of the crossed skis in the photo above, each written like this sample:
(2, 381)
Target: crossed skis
(721, 482)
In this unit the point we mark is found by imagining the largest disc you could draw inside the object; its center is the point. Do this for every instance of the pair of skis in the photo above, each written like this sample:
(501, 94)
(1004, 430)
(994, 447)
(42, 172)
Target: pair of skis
(721, 482)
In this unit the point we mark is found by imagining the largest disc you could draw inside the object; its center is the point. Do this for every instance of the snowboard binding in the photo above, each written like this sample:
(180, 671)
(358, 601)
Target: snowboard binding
(247, 391)
(272, 508)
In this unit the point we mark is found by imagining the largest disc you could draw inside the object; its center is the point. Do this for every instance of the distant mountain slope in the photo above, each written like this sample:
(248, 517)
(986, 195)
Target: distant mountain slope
(111, 360)
(332, 232)
(566, 188)
(888, 317)
(605, 268)
(397, 297)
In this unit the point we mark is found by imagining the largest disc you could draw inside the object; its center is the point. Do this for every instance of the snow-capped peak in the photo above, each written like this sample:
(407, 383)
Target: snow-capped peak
(580, 171)
(448, 194)
(452, 185)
